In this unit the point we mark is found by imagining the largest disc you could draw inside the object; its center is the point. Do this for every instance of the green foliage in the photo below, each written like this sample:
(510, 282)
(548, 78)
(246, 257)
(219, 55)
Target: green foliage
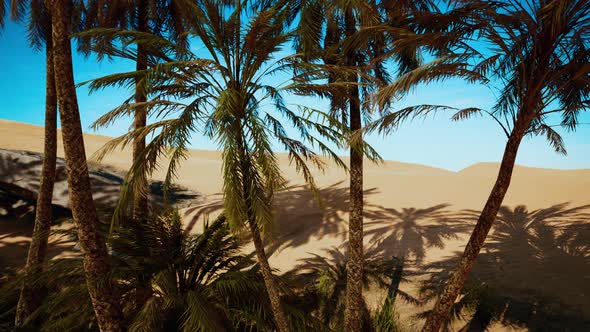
(536, 58)
(175, 281)
(228, 96)
(38, 18)
(167, 281)
(386, 319)
(115, 28)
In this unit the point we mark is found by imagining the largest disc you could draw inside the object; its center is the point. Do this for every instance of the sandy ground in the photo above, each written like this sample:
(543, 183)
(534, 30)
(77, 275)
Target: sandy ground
(418, 211)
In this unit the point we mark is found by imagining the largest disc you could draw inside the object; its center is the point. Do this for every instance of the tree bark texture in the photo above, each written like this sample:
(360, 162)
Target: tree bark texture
(96, 260)
(29, 299)
(354, 268)
(269, 280)
(140, 198)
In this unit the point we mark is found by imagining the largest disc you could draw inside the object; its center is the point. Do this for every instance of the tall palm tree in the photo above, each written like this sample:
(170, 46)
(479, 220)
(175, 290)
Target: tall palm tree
(233, 98)
(96, 260)
(39, 34)
(540, 55)
(333, 32)
(159, 17)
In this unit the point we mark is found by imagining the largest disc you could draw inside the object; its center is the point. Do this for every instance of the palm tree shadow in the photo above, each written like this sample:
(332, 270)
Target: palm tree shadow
(300, 218)
(533, 272)
(406, 234)
(200, 212)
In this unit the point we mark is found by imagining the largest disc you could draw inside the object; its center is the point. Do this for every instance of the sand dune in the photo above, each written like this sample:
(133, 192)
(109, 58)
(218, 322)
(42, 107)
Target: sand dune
(413, 209)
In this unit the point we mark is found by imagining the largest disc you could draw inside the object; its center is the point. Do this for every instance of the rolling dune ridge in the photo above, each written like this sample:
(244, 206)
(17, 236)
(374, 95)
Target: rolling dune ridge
(414, 211)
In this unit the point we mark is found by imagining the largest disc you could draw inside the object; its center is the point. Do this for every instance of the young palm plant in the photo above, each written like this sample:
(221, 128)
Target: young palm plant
(230, 95)
(179, 282)
(167, 280)
(39, 34)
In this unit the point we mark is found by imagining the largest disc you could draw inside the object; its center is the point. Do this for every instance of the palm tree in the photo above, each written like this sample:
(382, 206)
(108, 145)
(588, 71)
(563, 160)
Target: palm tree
(540, 56)
(234, 99)
(162, 18)
(167, 280)
(328, 31)
(39, 28)
(96, 260)
(174, 281)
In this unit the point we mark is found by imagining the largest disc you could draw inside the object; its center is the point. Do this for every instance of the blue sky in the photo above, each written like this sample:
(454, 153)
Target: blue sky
(435, 141)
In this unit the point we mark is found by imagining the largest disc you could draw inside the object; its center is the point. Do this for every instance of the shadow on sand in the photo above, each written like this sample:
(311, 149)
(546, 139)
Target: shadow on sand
(19, 182)
(534, 272)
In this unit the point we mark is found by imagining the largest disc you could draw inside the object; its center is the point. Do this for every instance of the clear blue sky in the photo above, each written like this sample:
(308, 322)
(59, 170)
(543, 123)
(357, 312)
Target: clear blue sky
(436, 142)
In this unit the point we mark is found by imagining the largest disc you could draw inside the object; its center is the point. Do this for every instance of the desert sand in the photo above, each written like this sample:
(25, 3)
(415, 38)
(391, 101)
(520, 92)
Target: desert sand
(418, 211)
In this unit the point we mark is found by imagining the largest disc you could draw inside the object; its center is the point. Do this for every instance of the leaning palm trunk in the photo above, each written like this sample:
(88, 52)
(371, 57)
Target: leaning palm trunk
(140, 199)
(96, 259)
(269, 280)
(30, 295)
(442, 308)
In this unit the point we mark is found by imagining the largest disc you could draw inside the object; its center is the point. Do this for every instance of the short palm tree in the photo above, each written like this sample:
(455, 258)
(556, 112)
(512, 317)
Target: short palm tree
(167, 281)
(96, 260)
(39, 34)
(230, 94)
(539, 56)
(178, 282)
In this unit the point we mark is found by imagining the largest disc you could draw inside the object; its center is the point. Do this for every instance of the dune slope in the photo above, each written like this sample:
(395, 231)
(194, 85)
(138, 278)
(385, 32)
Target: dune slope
(423, 212)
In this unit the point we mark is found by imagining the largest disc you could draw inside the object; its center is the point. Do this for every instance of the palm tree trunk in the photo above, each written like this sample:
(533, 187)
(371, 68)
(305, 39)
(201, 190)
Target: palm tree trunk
(269, 280)
(442, 308)
(29, 299)
(140, 198)
(354, 268)
(96, 259)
